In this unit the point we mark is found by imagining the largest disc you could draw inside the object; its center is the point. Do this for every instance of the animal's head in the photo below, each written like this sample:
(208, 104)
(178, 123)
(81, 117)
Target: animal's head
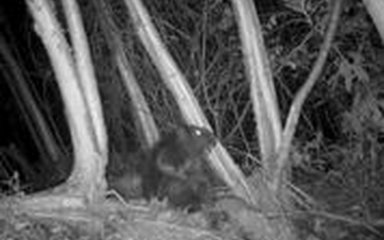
(196, 139)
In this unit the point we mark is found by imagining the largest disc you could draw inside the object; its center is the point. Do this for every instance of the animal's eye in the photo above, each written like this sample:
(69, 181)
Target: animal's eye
(198, 132)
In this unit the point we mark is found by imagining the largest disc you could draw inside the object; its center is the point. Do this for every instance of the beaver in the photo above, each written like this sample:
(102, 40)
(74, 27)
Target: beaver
(174, 168)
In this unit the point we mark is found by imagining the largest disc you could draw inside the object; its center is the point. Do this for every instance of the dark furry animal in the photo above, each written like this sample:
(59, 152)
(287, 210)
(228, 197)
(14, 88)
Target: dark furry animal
(177, 168)
(181, 150)
(174, 169)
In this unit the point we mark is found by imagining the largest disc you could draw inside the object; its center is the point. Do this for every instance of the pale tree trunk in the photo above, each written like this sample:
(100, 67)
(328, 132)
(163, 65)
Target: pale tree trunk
(76, 81)
(273, 188)
(376, 10)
